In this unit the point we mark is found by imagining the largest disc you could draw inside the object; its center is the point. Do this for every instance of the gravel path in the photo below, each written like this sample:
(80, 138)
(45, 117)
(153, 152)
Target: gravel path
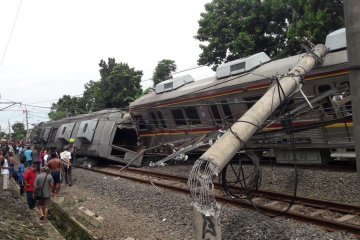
(144, 212)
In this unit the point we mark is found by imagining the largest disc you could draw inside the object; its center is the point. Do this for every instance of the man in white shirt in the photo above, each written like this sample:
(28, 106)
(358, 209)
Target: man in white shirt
(5, 172)
(65, 157)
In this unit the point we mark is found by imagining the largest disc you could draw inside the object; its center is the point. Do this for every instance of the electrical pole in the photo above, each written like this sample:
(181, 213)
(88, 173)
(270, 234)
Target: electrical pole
(27, 124)
(9, 137)
(352, 24)
(213, 161)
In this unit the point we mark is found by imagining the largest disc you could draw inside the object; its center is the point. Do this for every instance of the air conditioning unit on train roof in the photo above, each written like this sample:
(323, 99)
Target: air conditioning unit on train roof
(241, 65)
(173, 84)
(336, 40)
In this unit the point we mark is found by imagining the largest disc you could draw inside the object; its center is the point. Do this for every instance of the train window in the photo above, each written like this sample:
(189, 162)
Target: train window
(85, 127)
(53, 134)
(326, 105)
(178, 117)
(250, 101)
(192, 115)
(215, 114)
(63, 131)
(140, 121)
(162, 121)
(154, 119)
(227, 111)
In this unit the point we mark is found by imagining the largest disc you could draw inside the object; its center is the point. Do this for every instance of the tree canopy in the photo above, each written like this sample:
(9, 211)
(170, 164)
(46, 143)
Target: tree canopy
(19, 131)
(163, 70)
(119, 84)
(233, 29)
(66, 106)
(90, 101)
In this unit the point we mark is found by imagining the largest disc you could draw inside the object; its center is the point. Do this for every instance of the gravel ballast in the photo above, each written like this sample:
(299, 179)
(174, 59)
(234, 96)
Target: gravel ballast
(140, 211)
(326, 185)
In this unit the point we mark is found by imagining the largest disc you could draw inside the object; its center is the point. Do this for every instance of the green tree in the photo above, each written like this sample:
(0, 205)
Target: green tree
(19, 131)
(233, 29)
(3, 135)
(66, 106)
(163, 71)
(119, 84)
(90, 101)
(312, 20)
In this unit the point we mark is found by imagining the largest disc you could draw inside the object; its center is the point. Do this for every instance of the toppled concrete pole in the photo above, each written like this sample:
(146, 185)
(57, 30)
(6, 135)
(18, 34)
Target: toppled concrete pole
(210, 164)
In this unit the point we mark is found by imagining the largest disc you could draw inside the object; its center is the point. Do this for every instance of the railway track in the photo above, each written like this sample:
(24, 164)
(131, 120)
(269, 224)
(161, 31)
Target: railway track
(329, 215)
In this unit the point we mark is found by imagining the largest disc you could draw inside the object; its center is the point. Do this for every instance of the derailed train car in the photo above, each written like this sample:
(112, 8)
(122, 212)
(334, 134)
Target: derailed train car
(189, 114)
(109, 134)
(184, 115)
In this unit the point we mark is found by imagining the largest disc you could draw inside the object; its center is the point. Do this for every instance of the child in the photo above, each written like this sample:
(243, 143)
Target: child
(21, 171)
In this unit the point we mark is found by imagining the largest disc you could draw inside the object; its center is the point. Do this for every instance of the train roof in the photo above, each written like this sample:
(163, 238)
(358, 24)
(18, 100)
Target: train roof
(114, 112)
(263, 72)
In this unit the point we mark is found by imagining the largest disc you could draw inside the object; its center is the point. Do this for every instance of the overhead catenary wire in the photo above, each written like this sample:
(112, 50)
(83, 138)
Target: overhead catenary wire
(11, 33)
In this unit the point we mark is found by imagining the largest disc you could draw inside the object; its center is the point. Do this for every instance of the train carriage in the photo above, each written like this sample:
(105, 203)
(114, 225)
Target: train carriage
(183, 115)
(182, 111)
(108, 134)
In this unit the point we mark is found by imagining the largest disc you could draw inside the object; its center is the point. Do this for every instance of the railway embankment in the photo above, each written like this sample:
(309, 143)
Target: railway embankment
(133, 210)
(17, 221)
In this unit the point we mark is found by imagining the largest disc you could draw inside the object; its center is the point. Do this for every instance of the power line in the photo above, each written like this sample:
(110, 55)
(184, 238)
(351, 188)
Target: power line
(180, 71)
(45, 101)
(34, 106)
(11, 32)
(189, 68)
(31, 114)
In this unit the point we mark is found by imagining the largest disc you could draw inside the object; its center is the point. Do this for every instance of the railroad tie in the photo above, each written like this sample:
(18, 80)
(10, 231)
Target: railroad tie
(317, 212)
(345, 218)
(271, 204)
(257, 200)
(294, 207)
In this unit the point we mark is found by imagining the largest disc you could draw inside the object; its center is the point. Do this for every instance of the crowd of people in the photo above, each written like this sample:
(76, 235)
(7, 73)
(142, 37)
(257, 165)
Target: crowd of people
(39, 172)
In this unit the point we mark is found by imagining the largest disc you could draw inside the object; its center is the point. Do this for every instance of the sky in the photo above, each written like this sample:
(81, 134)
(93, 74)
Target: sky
(55, 46)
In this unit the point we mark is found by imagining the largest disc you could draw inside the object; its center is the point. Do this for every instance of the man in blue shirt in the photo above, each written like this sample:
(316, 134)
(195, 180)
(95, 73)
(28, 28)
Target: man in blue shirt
(28, 156)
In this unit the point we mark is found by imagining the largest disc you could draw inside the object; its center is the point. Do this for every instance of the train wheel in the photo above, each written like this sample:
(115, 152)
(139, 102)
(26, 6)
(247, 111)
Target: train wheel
(241, 181)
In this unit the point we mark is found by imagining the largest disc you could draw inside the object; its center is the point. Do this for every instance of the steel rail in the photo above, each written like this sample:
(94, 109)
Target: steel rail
(325, 223)
(309, 202)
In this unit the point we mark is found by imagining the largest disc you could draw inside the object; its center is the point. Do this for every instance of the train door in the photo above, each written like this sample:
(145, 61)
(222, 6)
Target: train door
(124, 145)
(126, 138)
(53, 134)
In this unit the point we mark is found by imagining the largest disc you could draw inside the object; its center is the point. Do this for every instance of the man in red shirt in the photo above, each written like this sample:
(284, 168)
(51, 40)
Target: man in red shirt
(29, 178)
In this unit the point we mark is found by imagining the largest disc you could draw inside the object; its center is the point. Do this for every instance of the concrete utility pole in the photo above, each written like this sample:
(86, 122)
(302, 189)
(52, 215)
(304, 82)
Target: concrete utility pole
(27, 124)
(9, 137)
(352, 24)
(210, 164)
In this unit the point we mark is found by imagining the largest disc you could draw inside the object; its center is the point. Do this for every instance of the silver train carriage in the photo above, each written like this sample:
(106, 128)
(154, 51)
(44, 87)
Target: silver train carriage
(109, 134)
(188, 114)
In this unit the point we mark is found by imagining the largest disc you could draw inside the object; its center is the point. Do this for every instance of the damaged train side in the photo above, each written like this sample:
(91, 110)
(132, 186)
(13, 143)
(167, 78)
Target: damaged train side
(183, 115)
(109, 134)
(186, 114)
